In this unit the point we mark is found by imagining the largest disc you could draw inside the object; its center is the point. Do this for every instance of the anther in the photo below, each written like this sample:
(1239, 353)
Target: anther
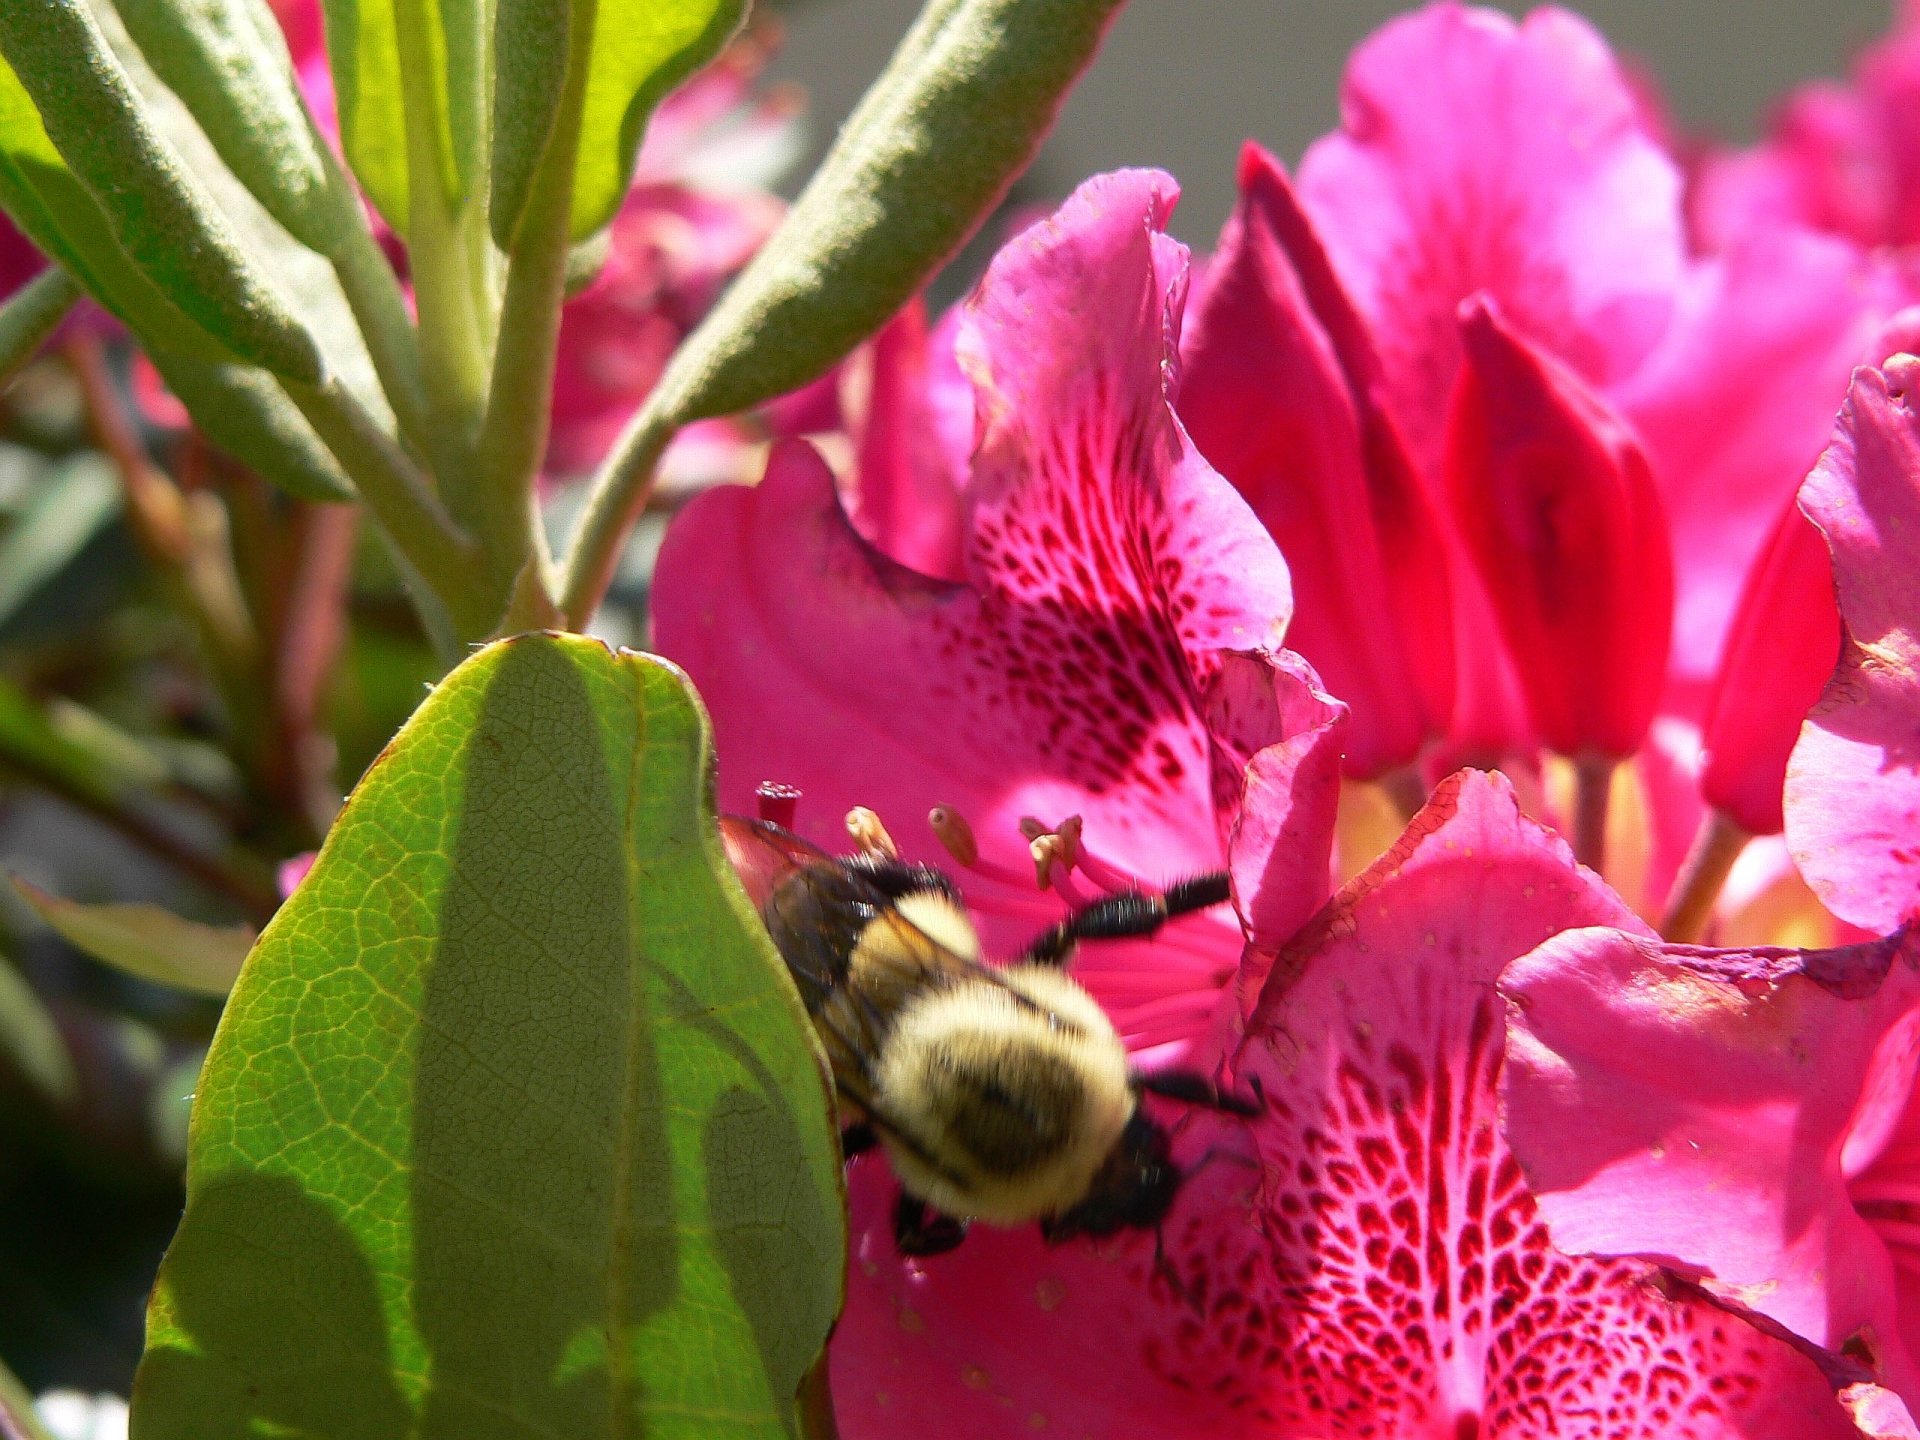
(869, 835)
(955, 835)
(1051, 868)
(778, 803)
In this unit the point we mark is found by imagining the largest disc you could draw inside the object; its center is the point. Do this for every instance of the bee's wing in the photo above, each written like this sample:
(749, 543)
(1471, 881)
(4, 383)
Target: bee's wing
(763, 853)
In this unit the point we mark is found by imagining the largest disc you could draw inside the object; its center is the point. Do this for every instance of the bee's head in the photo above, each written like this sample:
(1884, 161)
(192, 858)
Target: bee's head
(1134, 1189)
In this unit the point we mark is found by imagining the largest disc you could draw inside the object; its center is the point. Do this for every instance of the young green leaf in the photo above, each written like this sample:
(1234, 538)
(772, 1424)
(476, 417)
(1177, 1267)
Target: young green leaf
(30, 315)
(165, 224)
(962, 107)
(376, 49)
(146, 941)
(513, 1125)
(227, 60)
(637, 50)
(31, 1044)
(58, 214)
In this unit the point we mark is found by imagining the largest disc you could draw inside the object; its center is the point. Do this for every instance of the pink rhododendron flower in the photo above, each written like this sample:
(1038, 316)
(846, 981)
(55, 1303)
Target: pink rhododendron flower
(1844, 158)
(1064, 671)
(1360, 1258)
(1744, 1117)
(1853, 788)
(1749, 1116)
(1471, 343)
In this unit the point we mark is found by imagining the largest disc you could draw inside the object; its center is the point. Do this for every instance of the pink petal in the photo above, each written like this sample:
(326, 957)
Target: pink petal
(1361, 1258)
(1106, 568)
(906, 498)
(1725, 1113)
(1738, 403)
(1282, 797)
(1838, 157)
(1556, 503)
(1270, 400)
(1400, 1281)
(1785, 638)
(1008, 1337)
(1853, 784)
(1480, 155)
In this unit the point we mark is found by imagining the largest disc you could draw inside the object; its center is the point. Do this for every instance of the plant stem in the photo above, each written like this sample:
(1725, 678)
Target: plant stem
(618, 496)
(1592, 791)
(514, 438)
(1695, 889)
(184, 537)
(374, 295)
(439, 249)
(443, 555)
(29, 317)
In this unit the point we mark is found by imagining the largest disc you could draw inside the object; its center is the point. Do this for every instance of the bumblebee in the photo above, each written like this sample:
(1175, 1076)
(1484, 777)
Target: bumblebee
(999, 1092)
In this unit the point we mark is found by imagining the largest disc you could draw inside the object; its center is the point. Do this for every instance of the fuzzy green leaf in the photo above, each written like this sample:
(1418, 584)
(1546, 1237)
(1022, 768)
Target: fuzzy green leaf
(59, 215)
(161, 218)
(513, 1126)
(962, 107)
(227, 60)
(639, 50)
(146, 941)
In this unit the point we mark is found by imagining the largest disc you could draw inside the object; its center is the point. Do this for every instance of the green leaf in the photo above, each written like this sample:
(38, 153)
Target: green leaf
(638, 51)
(63, 220)
(31, 1042)
(513, 1126)
(228, 61)
(146, 941)
(959, 112)
(71, 504)
(32, 743)
(30, 315)
(163, 221)
(442, 45)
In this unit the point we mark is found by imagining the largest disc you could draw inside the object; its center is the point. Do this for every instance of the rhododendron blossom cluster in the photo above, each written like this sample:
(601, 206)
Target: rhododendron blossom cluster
(1460, 454)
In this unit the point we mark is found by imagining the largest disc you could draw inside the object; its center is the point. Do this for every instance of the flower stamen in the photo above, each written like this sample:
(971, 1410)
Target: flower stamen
(956, 837)
(869, 835)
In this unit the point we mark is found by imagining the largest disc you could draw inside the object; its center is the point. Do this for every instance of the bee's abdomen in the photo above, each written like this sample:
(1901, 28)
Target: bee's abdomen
(1007, 1123)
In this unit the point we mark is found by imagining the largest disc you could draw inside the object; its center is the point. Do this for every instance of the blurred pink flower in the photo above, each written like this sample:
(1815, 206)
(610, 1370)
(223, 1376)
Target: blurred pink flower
(1838, 157)
(1521, 447)
(698, 209)
(19, 260)
(1779, 1083)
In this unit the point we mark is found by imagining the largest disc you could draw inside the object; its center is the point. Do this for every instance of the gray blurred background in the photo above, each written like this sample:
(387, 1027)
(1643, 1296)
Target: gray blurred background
(1180, 83)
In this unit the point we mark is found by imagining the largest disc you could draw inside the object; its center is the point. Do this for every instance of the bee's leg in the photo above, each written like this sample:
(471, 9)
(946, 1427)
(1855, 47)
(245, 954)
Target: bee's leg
(1130, 914)
(857, 1139)
(919, 1229)
(1192, 1088)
